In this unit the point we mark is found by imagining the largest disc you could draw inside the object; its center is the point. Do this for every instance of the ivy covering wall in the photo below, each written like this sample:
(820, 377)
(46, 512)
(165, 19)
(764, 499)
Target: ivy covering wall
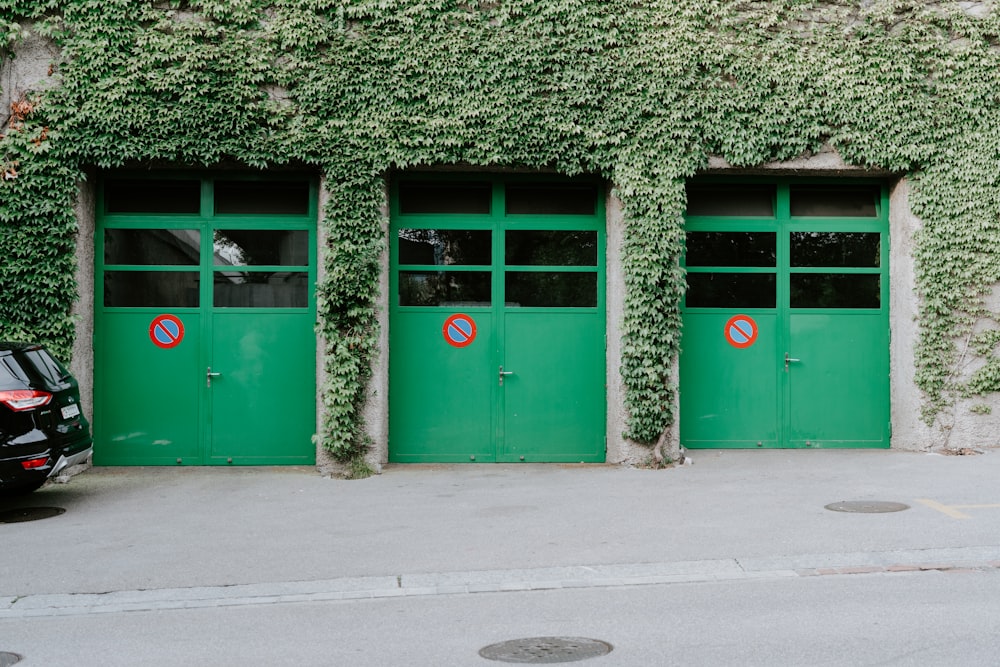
(641, 93)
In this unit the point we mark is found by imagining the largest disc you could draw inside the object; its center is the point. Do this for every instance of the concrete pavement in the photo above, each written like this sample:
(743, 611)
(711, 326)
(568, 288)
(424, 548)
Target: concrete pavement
(168, 538)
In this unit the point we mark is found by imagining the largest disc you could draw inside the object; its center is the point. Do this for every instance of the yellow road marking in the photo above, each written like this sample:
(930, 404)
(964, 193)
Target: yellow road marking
(944, 509)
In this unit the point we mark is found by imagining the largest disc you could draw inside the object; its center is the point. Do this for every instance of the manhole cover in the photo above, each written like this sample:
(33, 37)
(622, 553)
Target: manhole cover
(545, 650)
(29, 514)
(8, 659)
(867, 506)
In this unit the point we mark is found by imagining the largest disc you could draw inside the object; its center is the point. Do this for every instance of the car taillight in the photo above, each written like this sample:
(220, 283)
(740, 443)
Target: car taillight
(20, 400)
(34, 463)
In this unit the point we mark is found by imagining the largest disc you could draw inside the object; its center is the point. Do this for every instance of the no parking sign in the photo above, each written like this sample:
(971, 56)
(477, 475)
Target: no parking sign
(459, 330)
(166, 331)
(741, 331)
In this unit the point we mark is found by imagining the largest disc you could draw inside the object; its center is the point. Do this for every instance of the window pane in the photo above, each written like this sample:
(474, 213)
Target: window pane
(444, 288)
(852, 201)
(551, 248)
(835, 249)
(261, 247)
(551, 199)
(833, 290)
(261, 289)
(445, 246)
(45, 365)
(138, 289)
(445, 197)
(262, 197)
(142, 196)
(550, 289)
(174, 247)
(731, 200)
(731, 249)
(731, 290)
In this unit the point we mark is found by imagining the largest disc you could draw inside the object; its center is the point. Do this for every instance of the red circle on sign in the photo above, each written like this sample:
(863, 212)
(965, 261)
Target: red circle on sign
(741, 331)
(166, 331)
(459, 330)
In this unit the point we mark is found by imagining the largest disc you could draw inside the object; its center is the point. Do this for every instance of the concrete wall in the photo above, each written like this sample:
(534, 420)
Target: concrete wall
(28, 72)
(970, 423)
(82, 365)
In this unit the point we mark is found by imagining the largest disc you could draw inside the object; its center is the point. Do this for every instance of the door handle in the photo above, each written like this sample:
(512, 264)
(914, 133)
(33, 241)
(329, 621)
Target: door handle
(209, 375)
(502, 373)
(789, 360)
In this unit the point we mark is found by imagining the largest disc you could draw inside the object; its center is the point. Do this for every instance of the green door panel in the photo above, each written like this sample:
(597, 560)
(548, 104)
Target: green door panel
(441, 395)
(148, 399)
(263, 402)
(524, 257)
(809, 262)
(234, 258)
(554, 401)
(729, 396)
(838, 388)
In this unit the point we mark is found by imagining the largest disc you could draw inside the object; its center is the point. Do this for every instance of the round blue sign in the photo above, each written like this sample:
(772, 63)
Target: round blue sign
(459, 330)
(166, 331)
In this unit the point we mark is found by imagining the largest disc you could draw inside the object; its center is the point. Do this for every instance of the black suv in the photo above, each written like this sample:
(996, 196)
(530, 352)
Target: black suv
(42, 430)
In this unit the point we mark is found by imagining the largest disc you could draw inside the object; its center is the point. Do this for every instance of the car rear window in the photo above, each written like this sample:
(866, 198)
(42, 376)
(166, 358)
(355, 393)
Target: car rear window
(33, 368)
(11, 376)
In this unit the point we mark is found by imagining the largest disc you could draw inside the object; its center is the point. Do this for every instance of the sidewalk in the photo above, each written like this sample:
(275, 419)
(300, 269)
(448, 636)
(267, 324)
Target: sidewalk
(182, 537)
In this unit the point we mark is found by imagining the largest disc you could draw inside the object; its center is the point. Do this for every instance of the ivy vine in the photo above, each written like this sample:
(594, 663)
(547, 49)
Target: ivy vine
(641, 93)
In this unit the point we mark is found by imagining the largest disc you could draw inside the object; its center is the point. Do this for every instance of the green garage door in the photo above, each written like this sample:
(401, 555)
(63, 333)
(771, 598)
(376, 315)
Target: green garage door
(496, 321)
(786, 318)
(204, 343)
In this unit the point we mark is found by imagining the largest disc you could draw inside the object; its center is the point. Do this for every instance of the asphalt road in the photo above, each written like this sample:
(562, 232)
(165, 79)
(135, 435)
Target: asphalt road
(733, 560)
(928, 618)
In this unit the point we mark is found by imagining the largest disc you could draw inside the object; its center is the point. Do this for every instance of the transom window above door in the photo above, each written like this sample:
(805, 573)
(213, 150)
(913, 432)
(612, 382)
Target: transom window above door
(161, 235)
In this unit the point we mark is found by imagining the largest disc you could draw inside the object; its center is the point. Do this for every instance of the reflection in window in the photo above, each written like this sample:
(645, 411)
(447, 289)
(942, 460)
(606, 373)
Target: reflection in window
(442, 247)
(260, 289)
(420, 197)
(152, 196)
(731, 290)
(851, 201)
(162, 289)
(551, 248)
(444, 288)
(835, 290)
(729, 200)
(731, 249)
(45, 366)
(170, 247)
(261, 247)
(262, 197)
(858, 249)
(551, 199)
(550, 289)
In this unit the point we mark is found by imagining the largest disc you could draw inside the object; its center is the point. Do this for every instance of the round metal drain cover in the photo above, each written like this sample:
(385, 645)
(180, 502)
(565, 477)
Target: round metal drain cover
(8, 659)
(867, 506)
(545, 650)
(29, 514)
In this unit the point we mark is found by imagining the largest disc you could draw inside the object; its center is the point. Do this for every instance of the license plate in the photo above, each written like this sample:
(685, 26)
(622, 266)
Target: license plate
(71, 410)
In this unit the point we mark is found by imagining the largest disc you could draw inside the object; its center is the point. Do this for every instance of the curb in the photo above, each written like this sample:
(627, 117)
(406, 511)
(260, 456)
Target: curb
(499, 581)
